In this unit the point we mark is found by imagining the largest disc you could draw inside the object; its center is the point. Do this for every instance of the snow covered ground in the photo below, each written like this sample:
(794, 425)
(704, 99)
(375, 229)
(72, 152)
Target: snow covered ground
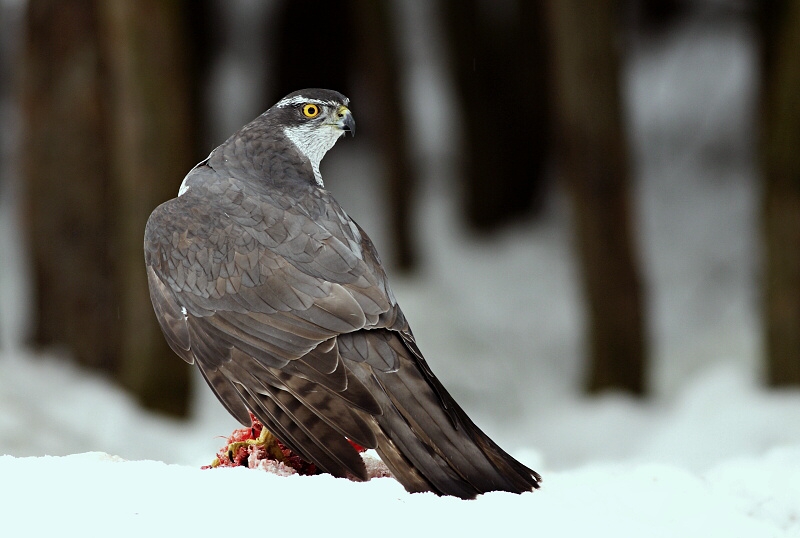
(96, 495)
(711, 454)
(720, 459)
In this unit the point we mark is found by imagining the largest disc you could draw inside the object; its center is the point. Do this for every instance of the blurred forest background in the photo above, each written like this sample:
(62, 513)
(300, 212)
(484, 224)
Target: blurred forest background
(107, 104)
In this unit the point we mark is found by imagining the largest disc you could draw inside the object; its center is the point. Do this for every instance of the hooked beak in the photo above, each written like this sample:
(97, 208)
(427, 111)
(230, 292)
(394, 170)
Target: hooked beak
(346, 122)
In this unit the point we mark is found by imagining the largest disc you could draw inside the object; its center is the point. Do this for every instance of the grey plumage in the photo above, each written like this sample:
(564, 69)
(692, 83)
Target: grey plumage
(260, 278)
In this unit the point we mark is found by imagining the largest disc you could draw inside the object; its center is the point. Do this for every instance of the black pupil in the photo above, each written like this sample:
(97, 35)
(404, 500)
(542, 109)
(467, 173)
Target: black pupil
(311, 110)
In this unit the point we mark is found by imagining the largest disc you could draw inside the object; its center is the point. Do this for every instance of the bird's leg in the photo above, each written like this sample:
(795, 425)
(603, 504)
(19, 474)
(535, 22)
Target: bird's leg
(265, 440)
(254, 441)
(248, 447)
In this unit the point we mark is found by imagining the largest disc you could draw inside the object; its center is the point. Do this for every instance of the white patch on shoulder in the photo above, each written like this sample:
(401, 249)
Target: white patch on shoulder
(184, 185)
(314, 141)
(183, 310)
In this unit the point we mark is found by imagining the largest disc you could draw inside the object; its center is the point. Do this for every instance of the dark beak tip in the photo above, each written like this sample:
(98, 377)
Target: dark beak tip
(349, 125)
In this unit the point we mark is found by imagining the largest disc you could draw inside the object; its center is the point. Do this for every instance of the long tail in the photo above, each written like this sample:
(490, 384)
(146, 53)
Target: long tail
(429, 442)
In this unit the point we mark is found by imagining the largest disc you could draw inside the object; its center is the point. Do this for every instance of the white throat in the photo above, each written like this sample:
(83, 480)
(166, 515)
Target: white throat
(314, 141)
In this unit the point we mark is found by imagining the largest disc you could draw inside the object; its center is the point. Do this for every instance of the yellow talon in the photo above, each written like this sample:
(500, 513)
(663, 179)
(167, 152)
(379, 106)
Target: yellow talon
(265, 439)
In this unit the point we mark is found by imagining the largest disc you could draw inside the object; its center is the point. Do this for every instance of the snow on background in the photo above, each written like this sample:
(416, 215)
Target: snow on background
(710, 454)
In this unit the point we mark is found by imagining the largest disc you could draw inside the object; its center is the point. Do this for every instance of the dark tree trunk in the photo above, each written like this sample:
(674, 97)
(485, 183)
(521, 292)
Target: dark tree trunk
(106, 106)
(593, 162)
(152, 149)
(306, 56)
(780, 163)
(500, 64)
(66, 179)
(381, 60)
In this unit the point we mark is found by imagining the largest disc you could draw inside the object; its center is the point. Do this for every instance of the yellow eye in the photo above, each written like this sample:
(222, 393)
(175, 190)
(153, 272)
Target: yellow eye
(310, 110)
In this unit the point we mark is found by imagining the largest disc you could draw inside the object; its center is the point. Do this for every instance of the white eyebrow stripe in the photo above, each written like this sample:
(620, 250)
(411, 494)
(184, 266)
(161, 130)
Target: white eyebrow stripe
(300, 100)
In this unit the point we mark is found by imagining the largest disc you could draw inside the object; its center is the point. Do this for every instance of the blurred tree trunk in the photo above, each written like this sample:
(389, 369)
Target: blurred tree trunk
(67, 182)
(106, 106)
(500, 66)
(593, 161)
(325, 63)
(152, 149)
(780, 162)
(379, 53)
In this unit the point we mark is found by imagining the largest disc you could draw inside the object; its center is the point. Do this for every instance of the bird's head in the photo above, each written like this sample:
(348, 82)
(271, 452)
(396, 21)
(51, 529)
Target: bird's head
(313, 120)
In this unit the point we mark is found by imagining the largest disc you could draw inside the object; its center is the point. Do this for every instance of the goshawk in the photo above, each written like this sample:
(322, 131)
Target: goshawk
(261, 279)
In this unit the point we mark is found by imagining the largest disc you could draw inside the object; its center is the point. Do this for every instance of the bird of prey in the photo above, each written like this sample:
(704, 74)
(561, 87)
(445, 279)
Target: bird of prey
(261, 279)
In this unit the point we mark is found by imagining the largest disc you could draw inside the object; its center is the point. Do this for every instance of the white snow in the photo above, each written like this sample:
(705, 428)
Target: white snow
(720, 459)
(711, 454)
(97, 494)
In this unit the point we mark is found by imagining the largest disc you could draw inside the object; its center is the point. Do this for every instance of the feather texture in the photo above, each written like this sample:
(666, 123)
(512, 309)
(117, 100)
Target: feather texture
(261, 279)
